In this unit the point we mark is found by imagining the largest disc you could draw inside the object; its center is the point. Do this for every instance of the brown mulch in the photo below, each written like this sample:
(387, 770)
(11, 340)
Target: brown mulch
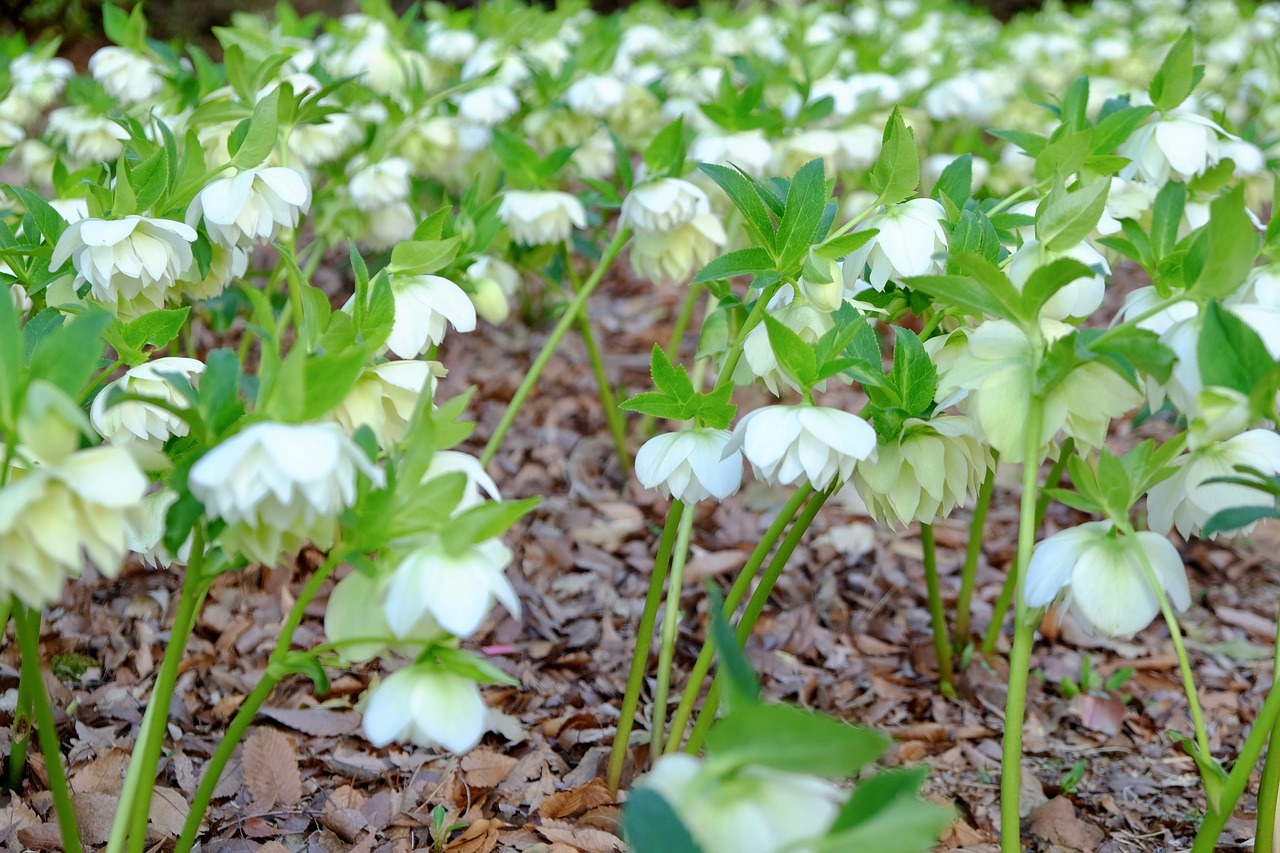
(847, 632)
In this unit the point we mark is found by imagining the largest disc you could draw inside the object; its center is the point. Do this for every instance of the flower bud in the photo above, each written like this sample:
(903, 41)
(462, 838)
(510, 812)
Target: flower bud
(491, 303)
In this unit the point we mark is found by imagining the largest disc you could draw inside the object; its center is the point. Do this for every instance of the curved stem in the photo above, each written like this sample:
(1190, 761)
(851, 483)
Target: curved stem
(670, 625)
(27, 626)
(1020, 658)
(548, 349)
(973, 551)
(1216, 819)
(755, 606)
(737, 592)
(753, 319)
(941, 642)
(640, 655)
(1269, 788)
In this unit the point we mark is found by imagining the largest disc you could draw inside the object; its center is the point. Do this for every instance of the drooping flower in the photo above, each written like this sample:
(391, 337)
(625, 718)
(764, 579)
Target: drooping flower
(427, 706)
(142, 428)
(479, 483)
(423, 305)
(1186, 500)
(456, 589)
(663, 205)
(355, 612)
(673, 257)
(1079, 298)
(910, 235)
(1102, 577)
(384, 398)
(1181, 145)
(595, 95)
(375, 185)
(538, 218)
(144, 531)
(786, 444)
(690, 465)
(130, 263)
(493, 283)
(280, 485)
(90, 137)
(126, 74)
(252, 206)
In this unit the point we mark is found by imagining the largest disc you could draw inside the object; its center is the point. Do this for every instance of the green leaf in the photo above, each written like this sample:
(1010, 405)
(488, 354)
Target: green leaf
(897, 170)
(794, 356)
(783, 737)
(657, 405)
(1032, 143)
(962, 292)
(1110, 132)
(742, 687)
(914, 374)
(1074, 104)
(668, 378)
(217, 401)
(156, 328)
(423, 257)
(846, 244)
(263, 130)
(886, 815)
(327, 380)
(1140, 349)
(1230, 353)
(1064, 218)
(1064, 156)
(1166, 216)
(665, 155)
(68, 356)
(1232, 248)
(10, 361)
(1175, 78)
(741, 262)
(150, 179)
(956, 181)
(874, 795)
(806, 202)
(483, 522)
(471, 666)
(1047, 280)
(1227, 520)
(994, 281)
(741, 191)
(651, 825)
(48, 220)
(1115, 485)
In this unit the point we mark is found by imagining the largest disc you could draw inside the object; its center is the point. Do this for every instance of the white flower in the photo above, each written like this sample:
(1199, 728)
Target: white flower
(384, 398)
(1081, 297)
(52, 517)
(758, 358)
(355, 612)
(690, 465)
(280, 485)
(1107, 588)
(595, 95)
(90, 138)
(325, 140)
(373, 186)
(910, 235)
(488, 106)
(226, 264)
(926, 472)
(749, 151)
(478, 480)
(142, 428)
(663, 205)
(449, 45)
(1186, 501)
(755, 809)
(1181, 145)
(426, 706)
(18, 296)
(428, 142)
(673, 257)
(785, 444)
(537, 218)
(126, 74)
(130, 263)
(252, 206)
(144, 531)
(456, 589)
(423, 304)
(493, 283)
(389, 225)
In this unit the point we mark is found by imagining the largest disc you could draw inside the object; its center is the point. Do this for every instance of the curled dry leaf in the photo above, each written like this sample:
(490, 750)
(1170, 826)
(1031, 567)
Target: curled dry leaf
(271, 770)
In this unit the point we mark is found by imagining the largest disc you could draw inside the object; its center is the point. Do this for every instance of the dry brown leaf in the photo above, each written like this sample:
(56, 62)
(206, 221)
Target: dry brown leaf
(94, 813)
(103, 775)
(1102, 714)
(271, 770)
(484, 768)
(318, 722)
(169, 809)
(46, 836)
(590, 840)
(273, 847)
(574, 802)
(479, 837)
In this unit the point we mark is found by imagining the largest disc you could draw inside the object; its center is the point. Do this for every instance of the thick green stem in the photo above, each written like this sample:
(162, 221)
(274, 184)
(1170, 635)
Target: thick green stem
(737, 592)
(1216, 819)
(276, 670)
(969, 575)
(673, 344)
(151, 739)
(1269, 788)
(755, 318)
(941, 642)
(548, 349)
(27, 626)
(640, 656)
(1023, 630)
(670, 626)
(755, 606)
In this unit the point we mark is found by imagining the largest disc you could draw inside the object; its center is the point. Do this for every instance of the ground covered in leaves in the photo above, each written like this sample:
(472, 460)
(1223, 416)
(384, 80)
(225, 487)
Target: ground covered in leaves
(847, 632)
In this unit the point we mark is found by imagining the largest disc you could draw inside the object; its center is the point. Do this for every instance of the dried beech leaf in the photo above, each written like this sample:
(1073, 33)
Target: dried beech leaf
(484, 768)
(575, 802)
(271, 770)
(590, 840)
(317, 722)
(479, 837)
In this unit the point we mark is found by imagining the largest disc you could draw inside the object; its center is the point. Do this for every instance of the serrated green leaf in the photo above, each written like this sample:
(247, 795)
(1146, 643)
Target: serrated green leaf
(1047, 280)
(805, 205)
(483, 522)
(1063, 219)
(845, 244)
(1112, 130)
(1166, 217)
(263, 130)
(897, 170)
(956, 181)
(1064, 156)
(156, 328)
(1175, 78)
(1230, 249)
(49, 222)
(795, 357)
(913, 375)
(741, 262)
(742, 193)
(1230, 353)
(423, 257)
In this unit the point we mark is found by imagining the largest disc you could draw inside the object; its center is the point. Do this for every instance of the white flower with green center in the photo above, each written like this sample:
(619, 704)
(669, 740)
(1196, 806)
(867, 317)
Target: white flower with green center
(674, 257)
(427, 706)
(1186, 500)
(423, 305)
(788, 444)
(911, 234)
(130, 264)
(690, 465)
(541, 217)
(126, 74)
(1078, 298)
(595, 95)
(90, 137)
(252, 206)
(755, 809)
(1180, 145)
(663, 205)
(933, 467)
(994, 375)
(355, 612)
(384, 398)
(458, 590)
(1101, 577)
(143, 428)
(278, 486)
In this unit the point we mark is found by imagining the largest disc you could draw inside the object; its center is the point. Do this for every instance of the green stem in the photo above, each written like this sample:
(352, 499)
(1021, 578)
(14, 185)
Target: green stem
(755, 606)
(1269, 788)
(1024, 628)
(27, 626)
(941, 642)
(673, 344)
(548, 349)
(1216, 819)
(737, 592)
(973, 551)
(151, 739)
(22, 716)
(670, 624)
(276, 671)
(753, 319)
(640, 656)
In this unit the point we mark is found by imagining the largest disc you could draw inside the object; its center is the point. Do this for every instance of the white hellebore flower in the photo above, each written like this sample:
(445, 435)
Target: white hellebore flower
(423, 304)
(910, 235)
(456, 589)
(690, 465)
(126, 74)
(130, 263)
(488, 106)
(1079, 298)
(280, 485)
(1180, 145)
(142, 428)
(786, 444)
(144, 531)
(663, 205)
(756, 809)
(1186, 501)
(1106, 584)
(673, 257)
(384, 398)
(252, 206)
(595, 95)
(478, 480)
(90, 137)
(355, 612)
(426, 706)
(375, 185)
(538, 218)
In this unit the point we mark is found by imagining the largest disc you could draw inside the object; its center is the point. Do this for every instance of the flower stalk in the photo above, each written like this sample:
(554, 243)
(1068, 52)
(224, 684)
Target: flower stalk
(941, 642)
(670, 628)
(1269, 788)
(973, 551)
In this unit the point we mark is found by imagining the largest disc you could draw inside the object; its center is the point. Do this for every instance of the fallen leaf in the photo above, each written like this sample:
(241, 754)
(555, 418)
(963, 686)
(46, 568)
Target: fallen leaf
(484, 768)
(318, 722)
(271, 770)
(1056, 822)
(590, 840)
(576, 801)
(479, 837)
